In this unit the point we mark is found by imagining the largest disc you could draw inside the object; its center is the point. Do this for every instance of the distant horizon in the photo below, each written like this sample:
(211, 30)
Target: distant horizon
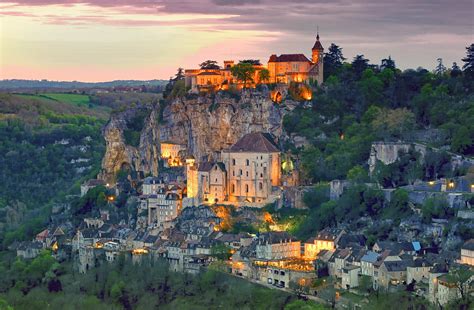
(167, 79)
(76, 81)
(103, 40)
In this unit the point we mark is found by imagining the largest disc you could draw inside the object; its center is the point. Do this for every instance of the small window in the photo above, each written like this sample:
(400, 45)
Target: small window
(233, 173)
(247, 173)
(261, 175)
(233, 188)
(233, 162)
(246, 188)
(240, 171)
(247, 162)
(260, 186)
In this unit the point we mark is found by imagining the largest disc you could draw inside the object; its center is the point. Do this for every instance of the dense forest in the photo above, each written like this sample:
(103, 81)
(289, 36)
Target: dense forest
(47, 145)
(43, 283)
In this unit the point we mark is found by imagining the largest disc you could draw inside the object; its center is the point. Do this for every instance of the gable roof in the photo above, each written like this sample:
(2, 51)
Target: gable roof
(468, 245)
(329, 234)
(400, 265)
(256, 142)
(288, 58)
(207, 166)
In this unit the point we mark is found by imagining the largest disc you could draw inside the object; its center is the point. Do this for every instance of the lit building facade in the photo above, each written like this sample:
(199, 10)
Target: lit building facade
(170, 153)
(467, 253)
(283, 69)
(249, 172)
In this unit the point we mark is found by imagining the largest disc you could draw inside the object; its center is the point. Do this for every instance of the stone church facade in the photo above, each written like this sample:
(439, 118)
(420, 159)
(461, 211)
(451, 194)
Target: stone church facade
(248, 173)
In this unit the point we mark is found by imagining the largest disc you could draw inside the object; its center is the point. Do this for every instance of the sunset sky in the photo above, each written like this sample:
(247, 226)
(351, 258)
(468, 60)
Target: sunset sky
(101, 40)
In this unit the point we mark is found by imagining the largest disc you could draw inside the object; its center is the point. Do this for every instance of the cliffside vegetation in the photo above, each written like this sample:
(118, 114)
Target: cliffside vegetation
(360, 103)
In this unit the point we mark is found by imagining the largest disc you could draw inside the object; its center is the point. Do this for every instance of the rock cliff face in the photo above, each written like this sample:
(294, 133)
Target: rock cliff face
(205, 125)
(118, 154)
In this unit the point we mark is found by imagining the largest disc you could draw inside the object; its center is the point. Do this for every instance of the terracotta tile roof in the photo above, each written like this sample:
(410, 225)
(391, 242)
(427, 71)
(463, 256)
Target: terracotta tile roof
(288, 58)
(257, 142)
(208, 73)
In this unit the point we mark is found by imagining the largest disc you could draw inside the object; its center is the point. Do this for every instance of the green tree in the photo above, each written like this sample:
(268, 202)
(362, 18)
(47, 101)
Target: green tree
(359, 65)
(255, 62)
(440, 67)
(463, 141)
(243, 72)
(387, 63)
(468, 66)
(393, 123)
(358, 174)
(221, 251)
(398, 206)
(209, 65)
(333, 60)
(455, 70)
(264, 75)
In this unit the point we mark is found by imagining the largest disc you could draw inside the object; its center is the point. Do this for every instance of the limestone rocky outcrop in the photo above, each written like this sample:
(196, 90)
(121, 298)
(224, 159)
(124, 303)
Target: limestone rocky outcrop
(205, 124)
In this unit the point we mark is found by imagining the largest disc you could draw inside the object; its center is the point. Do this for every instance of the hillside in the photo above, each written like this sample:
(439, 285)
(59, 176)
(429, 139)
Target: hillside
(47, 144)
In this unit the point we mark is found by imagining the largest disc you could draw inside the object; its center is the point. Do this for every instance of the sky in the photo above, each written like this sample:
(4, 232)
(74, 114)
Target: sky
(102, 40)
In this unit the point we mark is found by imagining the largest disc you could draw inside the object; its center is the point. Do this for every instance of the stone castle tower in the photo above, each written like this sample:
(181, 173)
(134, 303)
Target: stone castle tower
(317, 58)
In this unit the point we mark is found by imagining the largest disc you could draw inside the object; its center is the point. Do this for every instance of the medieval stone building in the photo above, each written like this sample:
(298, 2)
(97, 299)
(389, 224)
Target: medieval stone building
(248, 172)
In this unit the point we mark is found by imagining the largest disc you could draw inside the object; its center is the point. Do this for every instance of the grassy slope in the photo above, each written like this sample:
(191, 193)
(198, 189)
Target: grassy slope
(69, 103)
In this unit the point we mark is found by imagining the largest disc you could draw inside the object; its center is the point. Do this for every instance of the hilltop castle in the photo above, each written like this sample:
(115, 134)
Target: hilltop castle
(283, 69)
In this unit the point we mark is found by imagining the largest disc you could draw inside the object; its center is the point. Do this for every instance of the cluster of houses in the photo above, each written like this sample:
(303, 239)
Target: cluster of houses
(282, 69)
(278, 259)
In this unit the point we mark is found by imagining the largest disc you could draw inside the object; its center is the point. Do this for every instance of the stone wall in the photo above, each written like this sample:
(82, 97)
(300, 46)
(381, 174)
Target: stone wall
(387, 152)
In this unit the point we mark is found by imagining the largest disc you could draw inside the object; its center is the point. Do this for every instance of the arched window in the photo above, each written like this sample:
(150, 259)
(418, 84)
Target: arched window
(260, 185)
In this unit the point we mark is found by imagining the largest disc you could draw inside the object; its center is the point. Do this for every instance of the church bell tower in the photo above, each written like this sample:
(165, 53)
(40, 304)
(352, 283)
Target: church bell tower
(317, 51)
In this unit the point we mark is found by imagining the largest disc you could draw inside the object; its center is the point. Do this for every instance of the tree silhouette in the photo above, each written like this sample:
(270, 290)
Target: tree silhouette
(468, 66)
